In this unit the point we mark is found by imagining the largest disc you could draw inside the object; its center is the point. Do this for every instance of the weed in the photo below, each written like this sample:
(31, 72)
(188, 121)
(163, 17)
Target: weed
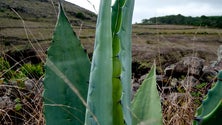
(32, 70)
(5, 71)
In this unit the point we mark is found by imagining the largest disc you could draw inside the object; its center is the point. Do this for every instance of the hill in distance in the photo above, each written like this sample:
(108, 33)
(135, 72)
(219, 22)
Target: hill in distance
(24, 21)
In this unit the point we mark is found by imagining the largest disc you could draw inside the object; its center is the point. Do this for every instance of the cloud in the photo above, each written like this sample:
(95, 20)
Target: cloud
(145, 9)
(151, 8)
(191, 9)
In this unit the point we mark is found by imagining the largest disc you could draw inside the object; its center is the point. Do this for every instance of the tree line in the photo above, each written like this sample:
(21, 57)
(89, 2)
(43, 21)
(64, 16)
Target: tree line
(210, 21)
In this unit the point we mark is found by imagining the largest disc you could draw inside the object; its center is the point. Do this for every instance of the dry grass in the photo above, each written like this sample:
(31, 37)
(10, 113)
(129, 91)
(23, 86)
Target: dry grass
(29, 100)
(179, 108)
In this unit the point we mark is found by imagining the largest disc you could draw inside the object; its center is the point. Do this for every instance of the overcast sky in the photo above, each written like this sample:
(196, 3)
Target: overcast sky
(145, 9)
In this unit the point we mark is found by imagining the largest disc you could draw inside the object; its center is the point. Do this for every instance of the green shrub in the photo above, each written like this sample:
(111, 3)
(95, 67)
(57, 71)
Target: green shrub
(32, 70)
(5, 71)
(4, 64)
(80, 15)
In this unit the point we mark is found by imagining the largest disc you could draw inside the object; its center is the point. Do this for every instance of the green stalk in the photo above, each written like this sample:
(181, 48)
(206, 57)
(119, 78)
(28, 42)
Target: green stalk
(99, 98)
(121, 30)
(117, 85)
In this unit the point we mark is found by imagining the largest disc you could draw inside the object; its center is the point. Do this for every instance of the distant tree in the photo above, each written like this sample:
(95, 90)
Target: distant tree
(80, 15)
(211, 21)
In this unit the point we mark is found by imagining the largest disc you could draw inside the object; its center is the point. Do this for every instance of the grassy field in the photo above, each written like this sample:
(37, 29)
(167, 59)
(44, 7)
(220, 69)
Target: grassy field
(149, 41)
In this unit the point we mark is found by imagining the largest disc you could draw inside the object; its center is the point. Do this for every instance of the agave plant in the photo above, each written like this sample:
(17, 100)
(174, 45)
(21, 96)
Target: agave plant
(78, 91)
(209, 113)
(97, 93)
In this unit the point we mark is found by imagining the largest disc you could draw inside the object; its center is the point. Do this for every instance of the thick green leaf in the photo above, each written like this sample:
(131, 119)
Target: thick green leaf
(213, 118)
(214, 96)
(122, 12)
(146, 106)
(99, 98)
(67, 75)
(117, 86)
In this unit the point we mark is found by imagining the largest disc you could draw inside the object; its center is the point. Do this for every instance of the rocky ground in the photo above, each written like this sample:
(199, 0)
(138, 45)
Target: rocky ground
(21, 102)
(181, 86)
(184, 66)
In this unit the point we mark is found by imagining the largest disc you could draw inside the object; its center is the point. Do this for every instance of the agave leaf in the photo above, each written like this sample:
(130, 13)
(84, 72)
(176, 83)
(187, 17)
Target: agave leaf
(214, 117)
(117, 86)
(67, 69)
(214, 96)
(146, 107)
(122, 12)
(99, 98)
